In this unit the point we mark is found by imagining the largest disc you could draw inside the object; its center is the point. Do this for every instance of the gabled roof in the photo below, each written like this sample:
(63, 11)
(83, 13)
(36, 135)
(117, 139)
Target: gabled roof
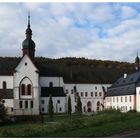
(125, 86)
(122, 90)
(6, 93)
(26, 57)
(54, 91)
(8, 64)
(130, 79)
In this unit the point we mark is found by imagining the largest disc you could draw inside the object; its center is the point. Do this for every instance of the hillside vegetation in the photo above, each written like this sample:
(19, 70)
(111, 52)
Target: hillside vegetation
(81, 70)
(74, 70)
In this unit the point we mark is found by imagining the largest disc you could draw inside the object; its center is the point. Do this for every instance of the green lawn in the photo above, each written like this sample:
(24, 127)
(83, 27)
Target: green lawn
(100, 125)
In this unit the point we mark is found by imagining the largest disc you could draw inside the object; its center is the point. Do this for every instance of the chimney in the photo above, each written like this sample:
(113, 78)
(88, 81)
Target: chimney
(125, 75)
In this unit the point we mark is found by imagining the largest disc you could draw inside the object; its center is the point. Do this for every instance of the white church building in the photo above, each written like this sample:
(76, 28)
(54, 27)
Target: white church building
(25, 86)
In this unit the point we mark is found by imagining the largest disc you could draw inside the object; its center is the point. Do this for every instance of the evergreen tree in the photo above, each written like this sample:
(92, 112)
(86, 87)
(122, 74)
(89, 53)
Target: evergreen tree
(79, 105)
(3, 111)
(50, 107)
(69, 106)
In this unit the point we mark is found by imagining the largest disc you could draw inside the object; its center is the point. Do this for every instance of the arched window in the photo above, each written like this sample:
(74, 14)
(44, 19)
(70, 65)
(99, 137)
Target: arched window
(4, 85)
(51, 84)
(98, 106)
(29, 89)
(98, 103)
(88, 103)
(22, 89)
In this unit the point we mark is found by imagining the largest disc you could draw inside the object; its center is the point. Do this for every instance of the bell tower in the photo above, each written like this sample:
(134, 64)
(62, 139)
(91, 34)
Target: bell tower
(28, 45)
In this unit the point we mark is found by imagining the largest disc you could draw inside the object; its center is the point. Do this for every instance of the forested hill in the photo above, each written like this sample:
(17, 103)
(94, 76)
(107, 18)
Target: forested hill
(81, 70)
(74, 70)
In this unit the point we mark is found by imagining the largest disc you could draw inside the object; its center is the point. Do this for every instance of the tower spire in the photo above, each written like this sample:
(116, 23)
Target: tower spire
(137, 62)
(28, 45)
(28, 30)
(29, 19)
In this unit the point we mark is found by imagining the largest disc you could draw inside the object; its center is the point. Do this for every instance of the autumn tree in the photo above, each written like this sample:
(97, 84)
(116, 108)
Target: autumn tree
(3, 111)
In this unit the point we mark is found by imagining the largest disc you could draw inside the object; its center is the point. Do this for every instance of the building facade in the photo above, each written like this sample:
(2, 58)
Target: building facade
(25, 86)
(124, 93)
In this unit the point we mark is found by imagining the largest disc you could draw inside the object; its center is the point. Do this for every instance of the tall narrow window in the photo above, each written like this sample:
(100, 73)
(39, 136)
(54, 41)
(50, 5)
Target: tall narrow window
(66, 91)
(72, 91)
(121, 99)
(58, 101)
(29, 89)
(95, 93)
(26, 104)
(32, 104)
(125, 98)
(117, 99)
(20, 104)
(42, 101)
(113, 99)
(130, 98)
(4, 85)
(74, 88)
(22, 89)
(51, 84)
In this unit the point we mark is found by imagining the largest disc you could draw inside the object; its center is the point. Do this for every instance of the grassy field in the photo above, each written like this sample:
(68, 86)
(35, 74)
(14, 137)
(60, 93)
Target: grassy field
(100, 125)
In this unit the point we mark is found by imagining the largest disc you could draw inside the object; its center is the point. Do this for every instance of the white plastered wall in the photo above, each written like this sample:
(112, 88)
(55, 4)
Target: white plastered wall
(26, 69)
(124, 105)
(56, 105)
(84, 99)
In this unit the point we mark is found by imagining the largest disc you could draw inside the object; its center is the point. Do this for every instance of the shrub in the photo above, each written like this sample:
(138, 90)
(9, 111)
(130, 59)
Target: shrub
(132, 111)
(3, 114)
(110, 110)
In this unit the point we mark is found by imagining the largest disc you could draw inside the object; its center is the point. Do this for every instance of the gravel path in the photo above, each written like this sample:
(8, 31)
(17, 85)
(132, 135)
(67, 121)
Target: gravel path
(128, 134)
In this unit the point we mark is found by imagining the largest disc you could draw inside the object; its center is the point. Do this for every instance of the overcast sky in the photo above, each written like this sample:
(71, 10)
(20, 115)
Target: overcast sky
(107, 31)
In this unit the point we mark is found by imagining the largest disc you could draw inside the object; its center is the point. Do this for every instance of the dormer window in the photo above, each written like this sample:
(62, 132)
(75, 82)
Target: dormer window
(4, 85)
